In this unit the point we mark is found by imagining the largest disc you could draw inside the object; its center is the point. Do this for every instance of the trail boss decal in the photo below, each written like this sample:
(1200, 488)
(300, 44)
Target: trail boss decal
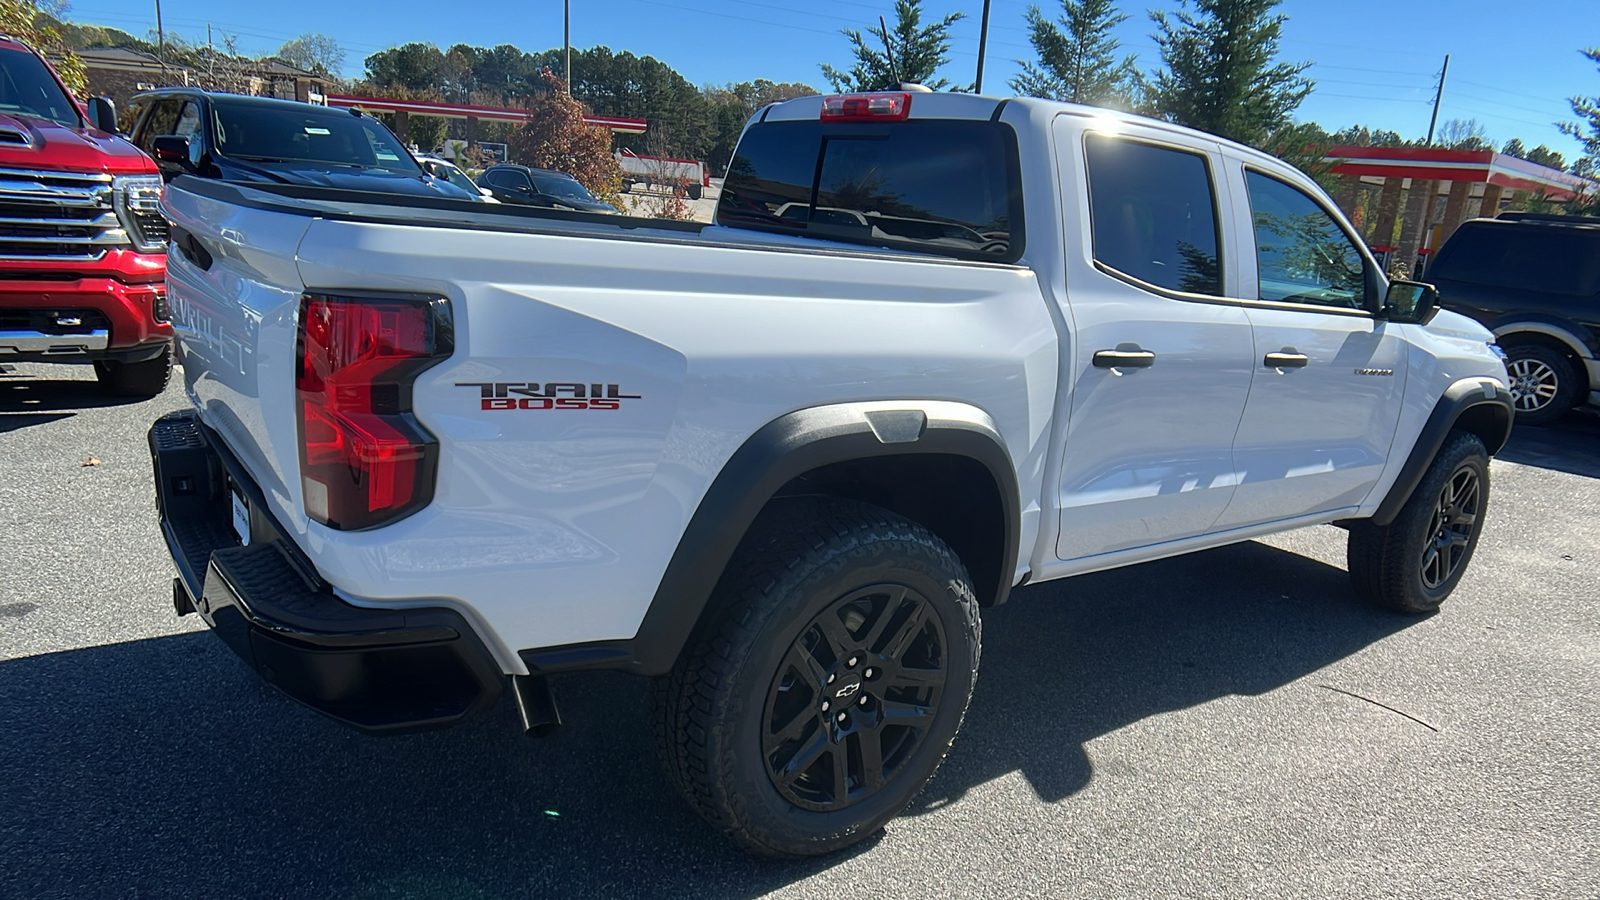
(550, 395)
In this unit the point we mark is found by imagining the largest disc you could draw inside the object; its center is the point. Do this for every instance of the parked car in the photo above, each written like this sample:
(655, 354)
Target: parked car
(449, 171)
(1534, 280)
(82, 240)
(232, 137)
(780, 470)
(666, 171)
(511, 183)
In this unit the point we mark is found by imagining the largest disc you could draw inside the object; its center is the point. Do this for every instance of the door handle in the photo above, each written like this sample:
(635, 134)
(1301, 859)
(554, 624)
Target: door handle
(1124, 359)
(1286, 361)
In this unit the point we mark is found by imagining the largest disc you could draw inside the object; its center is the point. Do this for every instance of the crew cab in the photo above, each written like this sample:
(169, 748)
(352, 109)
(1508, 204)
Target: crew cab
(778, 463)
(82, 240)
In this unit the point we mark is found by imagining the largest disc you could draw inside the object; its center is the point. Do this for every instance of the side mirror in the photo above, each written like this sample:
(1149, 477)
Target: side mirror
(103, 114)
(1410, 302)
(169, 148)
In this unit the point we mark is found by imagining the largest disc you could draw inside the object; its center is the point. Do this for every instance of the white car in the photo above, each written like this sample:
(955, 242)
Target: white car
(779, 469)
(449, 171)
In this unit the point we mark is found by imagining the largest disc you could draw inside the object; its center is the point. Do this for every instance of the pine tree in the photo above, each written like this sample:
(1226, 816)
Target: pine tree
(1221, 75)
(1078, 58)
(919, 51)
(1587, 131)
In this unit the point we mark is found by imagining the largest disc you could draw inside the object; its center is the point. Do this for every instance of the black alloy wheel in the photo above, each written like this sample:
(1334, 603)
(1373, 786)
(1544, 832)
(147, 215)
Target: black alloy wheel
(1455, 520)
(854, 697)
(827, 681)
(1414, 563)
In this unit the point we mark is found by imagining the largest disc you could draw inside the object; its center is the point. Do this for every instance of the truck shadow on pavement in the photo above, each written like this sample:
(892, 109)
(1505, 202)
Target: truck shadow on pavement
(1571, 445)
(163, 767)
(26, 401)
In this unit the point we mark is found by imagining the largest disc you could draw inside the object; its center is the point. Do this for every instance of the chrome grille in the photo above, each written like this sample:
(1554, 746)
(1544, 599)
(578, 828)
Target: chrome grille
(58, 216)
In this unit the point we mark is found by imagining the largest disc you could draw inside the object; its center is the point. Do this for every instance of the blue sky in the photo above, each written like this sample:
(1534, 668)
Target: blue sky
(1512, 64)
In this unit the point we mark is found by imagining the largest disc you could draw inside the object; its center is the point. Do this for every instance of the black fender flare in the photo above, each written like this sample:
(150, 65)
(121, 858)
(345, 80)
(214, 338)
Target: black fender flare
(778, 452)
(1487, 405)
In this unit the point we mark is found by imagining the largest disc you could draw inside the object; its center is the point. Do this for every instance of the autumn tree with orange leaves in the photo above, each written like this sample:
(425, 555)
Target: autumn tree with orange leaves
(556, 137)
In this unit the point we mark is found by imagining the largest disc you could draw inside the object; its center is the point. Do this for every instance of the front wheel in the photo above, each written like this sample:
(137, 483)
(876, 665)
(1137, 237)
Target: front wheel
(1413, 563)
(1545, 383)
(828, 683)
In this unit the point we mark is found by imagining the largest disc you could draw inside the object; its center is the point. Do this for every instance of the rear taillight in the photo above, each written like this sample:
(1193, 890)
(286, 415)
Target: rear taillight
(364, 459)
(881, 107)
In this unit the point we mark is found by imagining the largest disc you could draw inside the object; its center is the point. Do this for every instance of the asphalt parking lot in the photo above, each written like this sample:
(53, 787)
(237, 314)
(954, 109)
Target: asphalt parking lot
(1227, 724)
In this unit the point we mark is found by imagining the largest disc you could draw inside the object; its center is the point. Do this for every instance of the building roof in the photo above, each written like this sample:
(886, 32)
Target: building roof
(1485, 166)
(486, 113)
(122, 58)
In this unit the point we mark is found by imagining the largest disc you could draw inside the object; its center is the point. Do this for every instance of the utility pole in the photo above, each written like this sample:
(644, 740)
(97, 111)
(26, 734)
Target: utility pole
(161, 42)
(566, 45)
(983, 43)
(1438, 95)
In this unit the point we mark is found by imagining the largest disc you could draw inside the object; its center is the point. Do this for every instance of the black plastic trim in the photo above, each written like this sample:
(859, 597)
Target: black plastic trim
(377, 670)
(785, 448)
(1457, 400)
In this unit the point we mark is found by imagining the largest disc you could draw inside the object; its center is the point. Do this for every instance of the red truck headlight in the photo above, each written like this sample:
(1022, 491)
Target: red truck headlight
(137, 199)
(364, 458)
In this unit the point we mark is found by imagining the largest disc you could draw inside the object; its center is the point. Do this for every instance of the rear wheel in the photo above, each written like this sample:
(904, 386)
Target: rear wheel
(1413, 563)
(694, 191)
(1545, 383)
(137, 379)
(829, 682)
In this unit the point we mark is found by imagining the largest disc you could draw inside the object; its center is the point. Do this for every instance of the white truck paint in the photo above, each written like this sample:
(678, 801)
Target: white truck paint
(552, 528)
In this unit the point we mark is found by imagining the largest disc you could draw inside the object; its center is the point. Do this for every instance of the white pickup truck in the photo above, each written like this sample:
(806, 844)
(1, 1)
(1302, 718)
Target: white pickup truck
(933, 347)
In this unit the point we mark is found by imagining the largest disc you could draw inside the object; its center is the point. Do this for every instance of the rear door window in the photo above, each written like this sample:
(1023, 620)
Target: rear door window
(938, 186)
(163, 119)
(1553, 259)
(1153, 215)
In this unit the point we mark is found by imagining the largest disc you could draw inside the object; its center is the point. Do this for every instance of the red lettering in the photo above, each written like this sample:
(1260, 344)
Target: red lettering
(499, 403)
(605, 404)
(534, 403)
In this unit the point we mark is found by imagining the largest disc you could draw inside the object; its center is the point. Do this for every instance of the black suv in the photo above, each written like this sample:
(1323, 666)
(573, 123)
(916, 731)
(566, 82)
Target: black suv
(1534, 280)
(232, 137)
(540, 187)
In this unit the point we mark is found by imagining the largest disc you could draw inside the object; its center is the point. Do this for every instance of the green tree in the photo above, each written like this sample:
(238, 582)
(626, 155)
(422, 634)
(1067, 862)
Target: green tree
(1514, 147)
(919, 50)
(314, 52)
(1544, 156)
(734, 104)
(413, 66)
(1221, 72)
(1587, 129)
(1077, 59)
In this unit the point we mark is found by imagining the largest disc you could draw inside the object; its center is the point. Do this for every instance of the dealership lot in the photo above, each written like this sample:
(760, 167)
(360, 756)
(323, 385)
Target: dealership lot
(1226, 724)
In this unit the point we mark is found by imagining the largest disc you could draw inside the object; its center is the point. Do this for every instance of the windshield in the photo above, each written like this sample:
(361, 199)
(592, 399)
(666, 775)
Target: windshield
(27, 88)
(305, 133)
(561, 187)
(456, 177)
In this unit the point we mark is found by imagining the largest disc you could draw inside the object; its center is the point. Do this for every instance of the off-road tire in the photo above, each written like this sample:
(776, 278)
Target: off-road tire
(695, 191)
(801, 559)
(1555, 366)
(1389, 563)
(139, 379)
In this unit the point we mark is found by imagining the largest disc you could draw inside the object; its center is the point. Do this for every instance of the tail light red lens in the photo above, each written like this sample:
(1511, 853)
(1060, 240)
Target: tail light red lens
(881, 107)
(364, 458)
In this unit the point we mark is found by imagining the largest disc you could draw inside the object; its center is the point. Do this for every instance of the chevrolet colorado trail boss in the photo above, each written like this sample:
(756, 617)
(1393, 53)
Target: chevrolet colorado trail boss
(82, 239)
(777, 463)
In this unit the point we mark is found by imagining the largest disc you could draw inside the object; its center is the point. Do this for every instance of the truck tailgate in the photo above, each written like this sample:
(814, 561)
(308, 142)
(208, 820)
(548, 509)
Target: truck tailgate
(235, 289)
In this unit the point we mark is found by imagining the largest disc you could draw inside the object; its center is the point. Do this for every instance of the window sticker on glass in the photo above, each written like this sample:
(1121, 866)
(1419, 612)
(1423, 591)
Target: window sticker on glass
(310, 130)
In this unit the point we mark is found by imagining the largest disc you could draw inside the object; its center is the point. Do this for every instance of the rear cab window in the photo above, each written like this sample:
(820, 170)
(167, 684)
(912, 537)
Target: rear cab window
(942, 186)
(1153, 216)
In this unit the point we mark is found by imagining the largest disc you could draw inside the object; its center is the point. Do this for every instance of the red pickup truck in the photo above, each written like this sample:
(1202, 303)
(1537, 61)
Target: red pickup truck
(82, 237)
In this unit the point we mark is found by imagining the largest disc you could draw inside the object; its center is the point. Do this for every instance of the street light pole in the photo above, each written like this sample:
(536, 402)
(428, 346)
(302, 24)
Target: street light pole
(161, 41)
(566, 44)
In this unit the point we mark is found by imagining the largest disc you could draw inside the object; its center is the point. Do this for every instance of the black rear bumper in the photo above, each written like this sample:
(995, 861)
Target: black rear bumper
(377, 670)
